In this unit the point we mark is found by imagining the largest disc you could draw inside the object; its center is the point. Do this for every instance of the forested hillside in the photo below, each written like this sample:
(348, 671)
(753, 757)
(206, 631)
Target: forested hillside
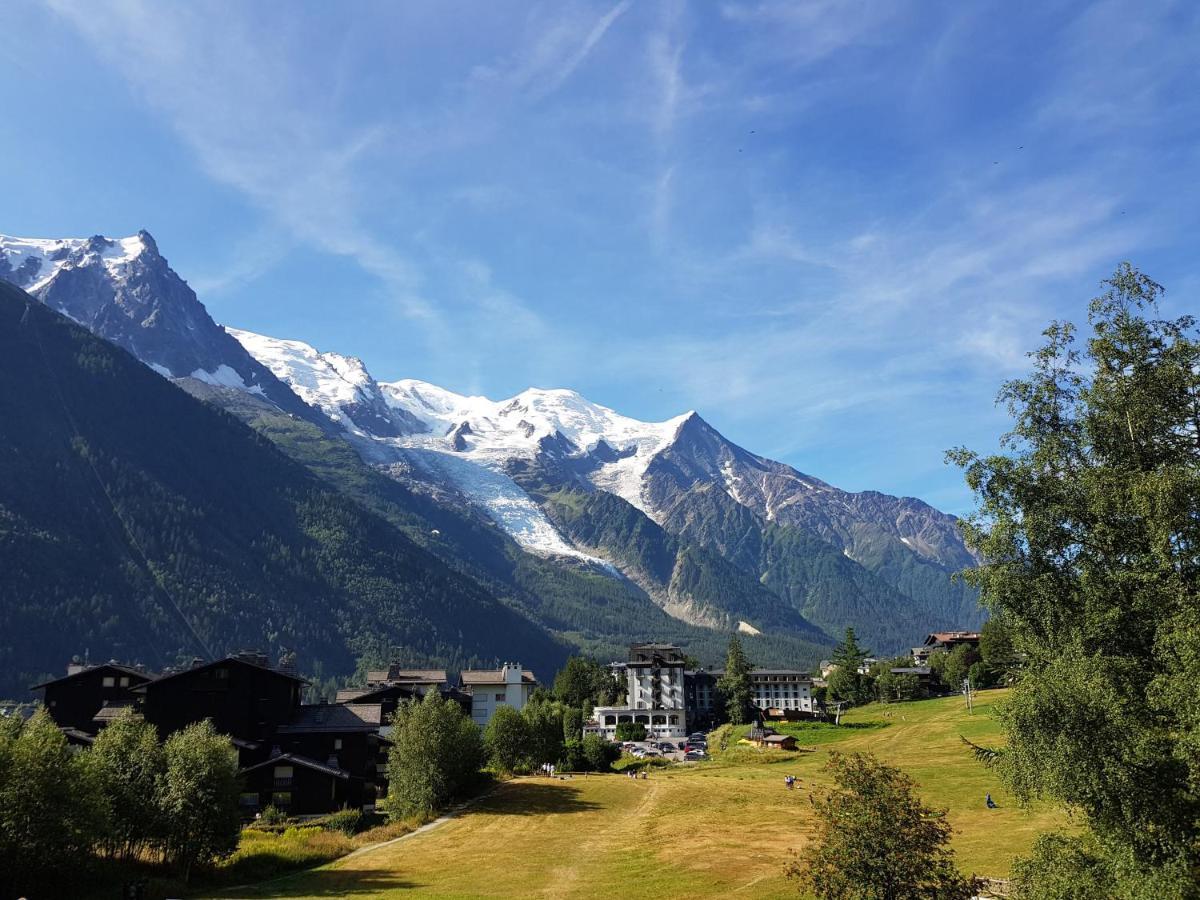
(138, 522)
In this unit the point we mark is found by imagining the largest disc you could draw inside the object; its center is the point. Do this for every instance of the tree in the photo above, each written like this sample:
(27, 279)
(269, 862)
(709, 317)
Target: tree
(436, 755)
(846, 682)
(128, 763)
(545, 722)
(506, 740)
(630, 731)
(581, 682)
(598, 754)
(876, 840)
(734, 684)
(957, 665)
(198, 801)
(997, 652)
(50, 809)
(1089, 525)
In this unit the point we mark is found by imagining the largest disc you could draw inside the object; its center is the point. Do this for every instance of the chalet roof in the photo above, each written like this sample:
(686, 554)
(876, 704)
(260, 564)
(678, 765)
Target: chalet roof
(373, 694)
(298, 760)
(911, 670)
(333, 718)
(493, 676)
(106, 714)
(793, 673)
(777, 738)
(394, 673)
(118, 668)
(74, 735)
(949, 637)
(234, 660)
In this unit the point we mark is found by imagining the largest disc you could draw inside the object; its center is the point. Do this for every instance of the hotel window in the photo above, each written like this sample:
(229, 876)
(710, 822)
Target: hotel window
(499, 698)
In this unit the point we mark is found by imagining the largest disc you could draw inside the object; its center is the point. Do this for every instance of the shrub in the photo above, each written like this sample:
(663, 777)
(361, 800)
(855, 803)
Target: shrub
(272, 815)
(631, 731)
(347, 821)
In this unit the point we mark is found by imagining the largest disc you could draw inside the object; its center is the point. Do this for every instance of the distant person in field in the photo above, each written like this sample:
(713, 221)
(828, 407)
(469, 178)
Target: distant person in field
(991, 804)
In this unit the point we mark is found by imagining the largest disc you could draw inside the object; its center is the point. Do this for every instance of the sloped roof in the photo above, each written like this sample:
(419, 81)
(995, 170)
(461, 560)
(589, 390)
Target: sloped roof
(119, 668)
(108, 713)
(333, 717)
(374, 694)
(393, 673)
(296, 759)
(493, 676)
(235, 660)
(944, 637)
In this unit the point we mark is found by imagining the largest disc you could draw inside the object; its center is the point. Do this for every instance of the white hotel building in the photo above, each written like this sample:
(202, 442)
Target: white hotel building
(654, 680)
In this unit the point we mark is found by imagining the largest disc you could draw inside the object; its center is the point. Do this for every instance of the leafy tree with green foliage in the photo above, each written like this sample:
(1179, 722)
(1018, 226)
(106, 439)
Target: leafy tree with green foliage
(734, 684)
(544, 719)
(598, 754)
(198, 800)
(876, 840)
(631, 731)
(997, 652)
(51, 811)
(846, 682)
(582, 682)
(1090, 527)
(436, 755)
(957, 665)
(506, 740)
(129, 765)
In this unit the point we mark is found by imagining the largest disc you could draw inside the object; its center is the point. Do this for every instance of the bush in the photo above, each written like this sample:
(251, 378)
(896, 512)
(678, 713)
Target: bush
(347, 821)
(598, 754)
(631, 731)
(272, 815)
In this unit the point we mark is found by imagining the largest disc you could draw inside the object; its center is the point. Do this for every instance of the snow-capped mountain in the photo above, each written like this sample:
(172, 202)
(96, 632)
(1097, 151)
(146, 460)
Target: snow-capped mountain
(124, 290)
(715, 535)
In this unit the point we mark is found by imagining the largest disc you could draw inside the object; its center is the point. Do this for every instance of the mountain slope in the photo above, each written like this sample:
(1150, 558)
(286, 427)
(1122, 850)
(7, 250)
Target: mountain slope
(138, 522)
(124, 291)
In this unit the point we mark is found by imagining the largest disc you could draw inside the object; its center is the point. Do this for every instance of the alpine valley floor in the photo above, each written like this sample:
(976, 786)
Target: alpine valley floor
(712, 829)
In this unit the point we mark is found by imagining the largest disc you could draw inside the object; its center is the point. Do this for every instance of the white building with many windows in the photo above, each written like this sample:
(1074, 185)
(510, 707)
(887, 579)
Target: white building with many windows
(782, 690)
(510, 685)
(655, 695)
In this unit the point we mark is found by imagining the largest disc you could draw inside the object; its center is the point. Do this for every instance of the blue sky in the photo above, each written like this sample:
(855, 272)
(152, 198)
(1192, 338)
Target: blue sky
(833, 228)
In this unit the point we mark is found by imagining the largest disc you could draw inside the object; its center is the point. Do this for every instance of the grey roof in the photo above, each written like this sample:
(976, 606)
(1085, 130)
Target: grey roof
(493, 676)
(307, 761)
(333, 717)
(108, 713)
(373, 694)
(911, 670)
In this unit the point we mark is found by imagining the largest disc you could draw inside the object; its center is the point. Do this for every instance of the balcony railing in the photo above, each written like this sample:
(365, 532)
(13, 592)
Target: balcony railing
(283, 782)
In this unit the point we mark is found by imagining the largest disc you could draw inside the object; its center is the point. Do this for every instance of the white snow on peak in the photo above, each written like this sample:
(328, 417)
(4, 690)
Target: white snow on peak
(469, 440)
(327, 381)
(495, 431)
(222, 376)
(35, 261)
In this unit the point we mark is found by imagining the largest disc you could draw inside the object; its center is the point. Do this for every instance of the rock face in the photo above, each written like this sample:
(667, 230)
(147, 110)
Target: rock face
(124, 291)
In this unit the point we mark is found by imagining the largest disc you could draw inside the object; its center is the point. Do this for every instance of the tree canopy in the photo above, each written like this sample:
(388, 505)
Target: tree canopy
(734, 684)
(1089, 522)
(876, 840)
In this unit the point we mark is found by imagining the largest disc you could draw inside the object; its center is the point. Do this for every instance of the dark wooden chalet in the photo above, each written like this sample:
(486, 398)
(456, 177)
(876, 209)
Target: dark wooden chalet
(81, 699)
(342, 736)
(243, 696)
(299, 785)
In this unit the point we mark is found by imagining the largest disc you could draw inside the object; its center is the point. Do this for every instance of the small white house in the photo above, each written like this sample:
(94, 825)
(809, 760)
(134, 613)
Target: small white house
(492, 688)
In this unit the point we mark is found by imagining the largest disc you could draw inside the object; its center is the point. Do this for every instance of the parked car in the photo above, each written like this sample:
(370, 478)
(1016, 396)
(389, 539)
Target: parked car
(650, 752)
(695, 755)
(667, 746)
(698, 736)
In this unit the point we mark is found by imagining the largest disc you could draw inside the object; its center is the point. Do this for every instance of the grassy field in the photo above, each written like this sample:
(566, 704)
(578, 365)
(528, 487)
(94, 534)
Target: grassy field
(714, 829)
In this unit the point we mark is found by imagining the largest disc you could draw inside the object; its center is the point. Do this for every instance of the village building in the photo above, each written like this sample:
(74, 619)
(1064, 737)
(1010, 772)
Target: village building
(419, 681)
(88, 696)
(782, 693)
(490, 689)
(655, 698)
(944, 642)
